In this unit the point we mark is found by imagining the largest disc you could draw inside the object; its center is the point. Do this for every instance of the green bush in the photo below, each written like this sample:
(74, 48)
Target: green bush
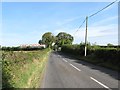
(76, 49)
(23, 69)
(19, 48)
(73, 49)
(102, 54)
(108, 54)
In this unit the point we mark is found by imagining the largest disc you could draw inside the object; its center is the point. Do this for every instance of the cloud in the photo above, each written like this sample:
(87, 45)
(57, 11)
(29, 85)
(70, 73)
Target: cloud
(114, 5)
(58, 31)
(111, 7)
(93, 32)
(16, 39)
(99, 31)
(105, 21)
(66, 21)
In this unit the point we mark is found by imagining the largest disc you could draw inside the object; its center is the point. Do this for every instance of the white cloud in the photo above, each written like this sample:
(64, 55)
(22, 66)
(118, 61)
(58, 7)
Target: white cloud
(112, 6)
(58, 31)
(107, 20)
(66, 21)
(16, 39)
(13, 39)
(93, 32)
(98, 31)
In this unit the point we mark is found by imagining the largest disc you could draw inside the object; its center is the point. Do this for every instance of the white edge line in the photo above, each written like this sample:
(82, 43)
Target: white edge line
(64, 60)
(75, 67)
(100, 83)
(59, 56)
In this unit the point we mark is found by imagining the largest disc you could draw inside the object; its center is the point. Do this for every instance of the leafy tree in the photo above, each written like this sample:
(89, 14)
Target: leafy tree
(48, 39)
(109, 44)
(63, 38)
(40, 42)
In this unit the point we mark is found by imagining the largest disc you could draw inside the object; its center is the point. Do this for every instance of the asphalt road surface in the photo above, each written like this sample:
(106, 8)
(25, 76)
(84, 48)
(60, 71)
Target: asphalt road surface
(65, 72)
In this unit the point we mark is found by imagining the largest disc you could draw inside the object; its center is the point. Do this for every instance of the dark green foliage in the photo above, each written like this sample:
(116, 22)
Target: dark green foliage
(76, 49)
(108, 54)
(55, 42)
(109, 44)
(47, 39)
(19, 66)
(30, 48)
(21, 49)
(63, 38)
(102, 54)
(6, 76)
(40, 42)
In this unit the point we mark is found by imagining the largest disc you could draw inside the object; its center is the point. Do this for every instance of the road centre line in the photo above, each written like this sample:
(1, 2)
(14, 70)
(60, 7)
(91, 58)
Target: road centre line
(90, 77)
(75, 67)
(65, 60)
(59, 56)
(100, 83)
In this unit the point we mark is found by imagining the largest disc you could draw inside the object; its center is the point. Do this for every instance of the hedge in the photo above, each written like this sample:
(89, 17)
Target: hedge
(19, 48)
(103, 54)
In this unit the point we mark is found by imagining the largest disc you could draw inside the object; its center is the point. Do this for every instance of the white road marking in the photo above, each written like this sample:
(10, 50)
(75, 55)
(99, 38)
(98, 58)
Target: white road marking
(75, 67)
(64, 60)
(100, 83)
(59, 55)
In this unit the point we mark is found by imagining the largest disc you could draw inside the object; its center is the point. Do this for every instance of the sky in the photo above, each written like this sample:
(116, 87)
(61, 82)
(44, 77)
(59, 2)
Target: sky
(26, 22)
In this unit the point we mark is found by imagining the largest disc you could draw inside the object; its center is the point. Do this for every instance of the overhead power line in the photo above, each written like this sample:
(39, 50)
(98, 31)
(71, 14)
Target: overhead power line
(86, 20)
(94, 15)
(80, 26)
(103, 8)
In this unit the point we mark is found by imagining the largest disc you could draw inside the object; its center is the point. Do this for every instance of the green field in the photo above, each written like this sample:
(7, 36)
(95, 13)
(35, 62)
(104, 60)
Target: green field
(23, 69)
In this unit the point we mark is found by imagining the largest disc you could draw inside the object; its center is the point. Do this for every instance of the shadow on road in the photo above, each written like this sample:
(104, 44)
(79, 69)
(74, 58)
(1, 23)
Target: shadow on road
(112, 73)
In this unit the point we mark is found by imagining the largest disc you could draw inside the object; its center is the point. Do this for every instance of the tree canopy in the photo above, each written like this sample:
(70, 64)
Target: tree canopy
(63, 38)
(40, 42)
(47, 39)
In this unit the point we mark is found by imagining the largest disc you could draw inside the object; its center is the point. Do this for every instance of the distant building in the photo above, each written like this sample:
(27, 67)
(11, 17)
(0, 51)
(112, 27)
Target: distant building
(33, 45)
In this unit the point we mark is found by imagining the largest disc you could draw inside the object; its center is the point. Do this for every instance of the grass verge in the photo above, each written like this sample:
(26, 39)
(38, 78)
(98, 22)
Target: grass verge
(94, 60)
(100, 62)
(23, 69)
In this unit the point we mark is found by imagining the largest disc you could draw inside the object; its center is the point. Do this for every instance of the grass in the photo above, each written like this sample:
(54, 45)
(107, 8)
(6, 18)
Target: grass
(96, 61)
(99, 62)
(23, 69)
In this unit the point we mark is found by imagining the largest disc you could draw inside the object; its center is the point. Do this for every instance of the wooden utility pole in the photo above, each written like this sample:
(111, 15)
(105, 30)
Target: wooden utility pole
(86, 36)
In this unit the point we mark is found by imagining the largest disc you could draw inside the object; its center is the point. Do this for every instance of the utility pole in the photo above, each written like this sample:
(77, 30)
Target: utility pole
(86, 36)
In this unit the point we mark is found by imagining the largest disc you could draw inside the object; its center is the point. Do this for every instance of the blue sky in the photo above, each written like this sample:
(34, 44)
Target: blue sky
(26, 22)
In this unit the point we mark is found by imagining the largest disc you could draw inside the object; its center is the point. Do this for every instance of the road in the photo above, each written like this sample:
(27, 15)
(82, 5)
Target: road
(65, 72)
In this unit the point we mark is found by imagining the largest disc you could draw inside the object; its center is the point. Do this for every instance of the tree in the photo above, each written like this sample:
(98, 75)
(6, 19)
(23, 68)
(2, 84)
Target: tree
(63, 38)
(40, 42)
(47, 39)
(109, 44)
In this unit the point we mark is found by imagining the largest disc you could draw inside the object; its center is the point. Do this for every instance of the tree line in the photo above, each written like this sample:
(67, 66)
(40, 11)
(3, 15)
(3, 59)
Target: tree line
(57, 41)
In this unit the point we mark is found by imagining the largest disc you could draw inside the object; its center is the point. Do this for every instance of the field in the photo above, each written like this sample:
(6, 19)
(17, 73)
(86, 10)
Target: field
(23, 69)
